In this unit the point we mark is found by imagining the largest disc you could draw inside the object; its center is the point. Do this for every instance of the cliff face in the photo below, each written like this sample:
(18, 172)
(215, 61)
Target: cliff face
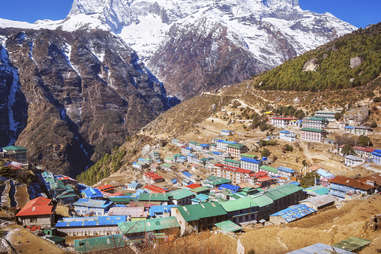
(70, 97)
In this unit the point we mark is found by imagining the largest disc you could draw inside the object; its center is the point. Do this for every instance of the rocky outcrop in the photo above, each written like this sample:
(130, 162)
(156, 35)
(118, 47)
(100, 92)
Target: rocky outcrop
(70, 97)
(355, 62)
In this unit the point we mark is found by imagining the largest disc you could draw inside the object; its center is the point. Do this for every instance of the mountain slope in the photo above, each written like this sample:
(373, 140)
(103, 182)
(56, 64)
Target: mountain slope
(192, 46)
(349, 61)
(71, 97)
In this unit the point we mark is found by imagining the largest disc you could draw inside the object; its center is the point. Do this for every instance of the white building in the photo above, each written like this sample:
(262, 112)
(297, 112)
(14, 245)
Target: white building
(287, 136)
(353, 161)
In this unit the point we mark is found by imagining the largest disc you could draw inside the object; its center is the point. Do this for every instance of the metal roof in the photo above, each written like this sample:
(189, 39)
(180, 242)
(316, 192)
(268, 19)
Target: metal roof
(136, 212)
(282, 191)
(199, 211)
(95, 221)
(269, 169)
(99, 243)
(36, 207)
(153, 197)
(92, 203)
(294, 212)
(91, 192)
(352, 244)
(228, 226)
(319, 248)
(250, 160)
(313, 130)
(148, 225)
(180, 194)
(285, 169)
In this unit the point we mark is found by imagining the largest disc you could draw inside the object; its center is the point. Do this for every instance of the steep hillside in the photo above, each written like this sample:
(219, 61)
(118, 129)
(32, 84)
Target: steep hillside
(350, 61)
(71, 97)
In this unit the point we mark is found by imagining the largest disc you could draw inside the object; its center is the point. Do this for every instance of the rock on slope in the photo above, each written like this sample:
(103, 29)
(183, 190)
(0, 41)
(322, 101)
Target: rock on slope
(193, 46)
(70, 97)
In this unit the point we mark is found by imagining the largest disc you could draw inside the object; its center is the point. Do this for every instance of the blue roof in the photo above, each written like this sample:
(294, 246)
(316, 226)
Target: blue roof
(319, 248)
(285, 132)
(377, 153)
(234, 188)
(251, 160)
(174, 180)
(186, 173)
(133, 184)
(217, 153)
(294, 212)
(349, 127)
(91, 192)
(285, 169)
(204, 145)
(324, 173)
(226, 142)
(92, 203)
(160, 209)
(90, 221)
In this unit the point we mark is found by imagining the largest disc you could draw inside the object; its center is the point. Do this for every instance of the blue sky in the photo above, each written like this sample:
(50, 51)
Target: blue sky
(357, 12)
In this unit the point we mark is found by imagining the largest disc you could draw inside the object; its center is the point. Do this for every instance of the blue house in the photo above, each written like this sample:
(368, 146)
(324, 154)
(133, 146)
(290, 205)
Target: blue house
(286, 171)
(84, 206)
(376, 157)
(250, 164)
(160, 210)
(92, 193)
(233, 188)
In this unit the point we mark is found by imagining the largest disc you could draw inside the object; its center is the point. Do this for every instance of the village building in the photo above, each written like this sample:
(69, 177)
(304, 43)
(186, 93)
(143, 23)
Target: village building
(319, 248)
(250, 164)
(15, 153)
(285, 195)
(364, 152)
(133, 186)
(222, 145)
(101, 243)
(186, 150)
(248, 208)
(90, 226)
(319, 202)
(329, 115)
(287, 136)
(376, 157)
(358, 130)
(157, 211)
(167, 226)
(177, 142)
(317, 190)
(232, 163)
(291, 214)
(181, 197)
(201, 190)
(157, 198)
(228, 226)
(199, 217)
(36, 212)
(235, 150)
(286, 172)
(314, 123)
(84, 206)
(353, 161)
(271, 171)
(325, 176)
(92, 193)
(282, 122)
(235, 174)
(345, 187)
(226, 133)
(132, 213)
(372, 180)
(312, 135)
(152, 177)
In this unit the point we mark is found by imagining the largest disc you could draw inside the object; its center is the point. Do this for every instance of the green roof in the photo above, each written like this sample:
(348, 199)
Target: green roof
(180, 194)
(239, 146)
(261, 200)
(313, 130)
(194, 143)
(353, 244)
(228, 226)
(99, 243)
(200, 189)
(232, 161)
(14, 148)
(199, 211)
(246, 155)
(238, 204)
(269, 169)
(149, 225)
(215, 180)
(124, 199)
(166, 165)
(322, 119)
(282, 191)
(153, 197)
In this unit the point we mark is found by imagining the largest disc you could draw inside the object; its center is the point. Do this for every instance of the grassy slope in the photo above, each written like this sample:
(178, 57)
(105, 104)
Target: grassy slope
(333, 60)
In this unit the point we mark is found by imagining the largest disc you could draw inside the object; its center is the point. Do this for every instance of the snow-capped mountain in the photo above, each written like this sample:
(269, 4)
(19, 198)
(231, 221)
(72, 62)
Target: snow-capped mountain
(267, 32)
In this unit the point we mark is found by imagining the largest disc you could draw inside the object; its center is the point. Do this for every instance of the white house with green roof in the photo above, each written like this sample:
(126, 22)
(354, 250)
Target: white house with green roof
(314, 122)
(312, 135)
(15, 153)
(181, 196)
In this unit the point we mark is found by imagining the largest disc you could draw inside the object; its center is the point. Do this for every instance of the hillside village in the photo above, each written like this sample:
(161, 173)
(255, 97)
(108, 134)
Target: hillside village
(221, 182)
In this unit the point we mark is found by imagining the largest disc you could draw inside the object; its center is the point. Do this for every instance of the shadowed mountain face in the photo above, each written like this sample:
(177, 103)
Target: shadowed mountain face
(71, 97)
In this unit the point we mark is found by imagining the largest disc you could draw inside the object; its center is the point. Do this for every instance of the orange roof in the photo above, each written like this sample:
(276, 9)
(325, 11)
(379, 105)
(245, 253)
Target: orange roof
(350, 182)
(153, 175)
(154, 189)
(35, 207)
(193, 185)
(106, 187)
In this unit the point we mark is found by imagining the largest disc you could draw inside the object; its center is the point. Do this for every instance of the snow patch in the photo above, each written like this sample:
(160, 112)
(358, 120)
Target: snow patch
(67, 53)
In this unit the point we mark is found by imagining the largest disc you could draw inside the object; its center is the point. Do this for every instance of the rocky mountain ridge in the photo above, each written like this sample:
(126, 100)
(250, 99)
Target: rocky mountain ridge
(71, 97)
(222, 41)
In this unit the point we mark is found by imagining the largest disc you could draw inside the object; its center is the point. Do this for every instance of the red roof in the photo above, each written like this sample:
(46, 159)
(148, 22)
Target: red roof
(106, 187)
(193, 185)
(233, 169)
(153, 175)
(243, 171)
(264, 179)
(35, 207)
(350, 182)
(259, 174)
(283, 118)
(364, 149)
(154, 189)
